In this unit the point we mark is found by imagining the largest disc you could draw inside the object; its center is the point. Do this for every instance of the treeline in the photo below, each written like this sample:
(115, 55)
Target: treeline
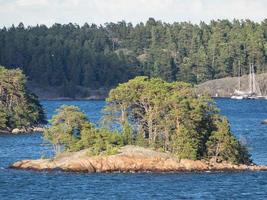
(71, 56)
(18, 107)
(151, 113)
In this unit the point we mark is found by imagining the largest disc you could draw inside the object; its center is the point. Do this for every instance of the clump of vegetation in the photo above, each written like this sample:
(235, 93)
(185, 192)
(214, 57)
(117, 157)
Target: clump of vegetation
(152, 113)
(70, 130)
(171, 117)
(19, 108)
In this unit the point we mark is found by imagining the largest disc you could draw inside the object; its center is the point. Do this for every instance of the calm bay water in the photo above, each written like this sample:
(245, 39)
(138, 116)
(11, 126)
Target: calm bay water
(245, 117)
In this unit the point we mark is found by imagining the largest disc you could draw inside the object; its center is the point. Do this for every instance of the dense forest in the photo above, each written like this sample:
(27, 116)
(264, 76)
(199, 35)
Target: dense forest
(72, 57)
(19, 108)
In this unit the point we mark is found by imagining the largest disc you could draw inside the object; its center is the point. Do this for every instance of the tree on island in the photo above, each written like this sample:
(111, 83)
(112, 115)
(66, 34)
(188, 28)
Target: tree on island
(152, 113)
(19, 108)
(173, 118)
(70, 130)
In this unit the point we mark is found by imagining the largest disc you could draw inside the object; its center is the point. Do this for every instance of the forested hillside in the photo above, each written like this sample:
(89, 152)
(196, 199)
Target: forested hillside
(72, 57)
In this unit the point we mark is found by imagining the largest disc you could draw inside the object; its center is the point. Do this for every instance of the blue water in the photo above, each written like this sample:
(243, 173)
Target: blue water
(245, 117)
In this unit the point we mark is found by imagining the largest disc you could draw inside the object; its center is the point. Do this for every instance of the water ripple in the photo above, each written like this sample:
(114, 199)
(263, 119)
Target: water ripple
(245, 118)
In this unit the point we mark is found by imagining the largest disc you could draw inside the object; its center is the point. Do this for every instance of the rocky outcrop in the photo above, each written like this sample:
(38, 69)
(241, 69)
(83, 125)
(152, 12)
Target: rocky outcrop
(27, 130)
(37, 129)
(129, 159)
(225, 87)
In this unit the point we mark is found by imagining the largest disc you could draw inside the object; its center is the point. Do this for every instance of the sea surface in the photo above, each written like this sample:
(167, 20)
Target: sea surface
(245, 117)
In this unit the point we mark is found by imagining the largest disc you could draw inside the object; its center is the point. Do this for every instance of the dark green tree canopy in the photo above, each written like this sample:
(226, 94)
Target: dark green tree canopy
(72, 57)
(173, 118)
(18, 107)
(70, 130)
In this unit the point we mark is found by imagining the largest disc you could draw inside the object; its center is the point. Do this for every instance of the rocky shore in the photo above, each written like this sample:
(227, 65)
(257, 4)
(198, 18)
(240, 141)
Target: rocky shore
(23, 130)
(225, 87)
(129, 159)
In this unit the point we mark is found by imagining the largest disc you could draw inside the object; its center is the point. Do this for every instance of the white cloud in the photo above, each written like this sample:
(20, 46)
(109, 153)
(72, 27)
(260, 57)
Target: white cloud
(31, 12)
(31, 2)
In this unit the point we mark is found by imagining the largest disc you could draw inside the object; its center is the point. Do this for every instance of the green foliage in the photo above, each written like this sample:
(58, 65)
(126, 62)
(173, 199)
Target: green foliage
(222, 145)
(65, 128)
(154, 113)
(171, 117)
(71, 131)
(71, 116)
(184, 145)
(18, 107)
(140, 140)
(127, 133)
(106, 143)
(70, 57)
(3, 119)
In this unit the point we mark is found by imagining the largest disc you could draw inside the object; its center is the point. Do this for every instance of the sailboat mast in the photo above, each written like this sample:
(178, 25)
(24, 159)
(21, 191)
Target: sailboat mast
(239, 82)
(250, 78)
(253, 80)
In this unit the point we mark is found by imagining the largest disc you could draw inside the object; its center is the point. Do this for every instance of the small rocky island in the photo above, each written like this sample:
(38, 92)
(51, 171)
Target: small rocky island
(147, 125)
(129, 159)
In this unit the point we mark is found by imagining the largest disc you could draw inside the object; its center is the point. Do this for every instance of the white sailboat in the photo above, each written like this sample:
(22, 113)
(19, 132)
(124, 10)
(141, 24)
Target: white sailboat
(238, 93)
(253, 91)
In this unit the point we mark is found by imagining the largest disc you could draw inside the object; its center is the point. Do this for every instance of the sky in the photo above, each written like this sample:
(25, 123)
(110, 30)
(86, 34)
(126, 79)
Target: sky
(48, 12)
